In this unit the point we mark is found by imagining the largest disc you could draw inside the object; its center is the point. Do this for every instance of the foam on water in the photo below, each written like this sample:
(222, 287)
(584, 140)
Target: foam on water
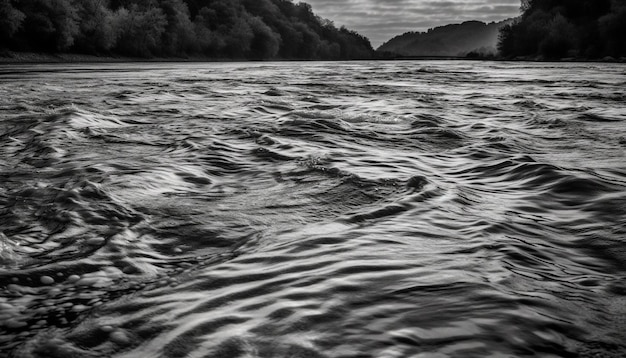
(383, 209)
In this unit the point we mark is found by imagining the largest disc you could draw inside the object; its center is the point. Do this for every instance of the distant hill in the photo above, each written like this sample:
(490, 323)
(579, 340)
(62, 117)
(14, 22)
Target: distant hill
(220, 29)
(448, 40)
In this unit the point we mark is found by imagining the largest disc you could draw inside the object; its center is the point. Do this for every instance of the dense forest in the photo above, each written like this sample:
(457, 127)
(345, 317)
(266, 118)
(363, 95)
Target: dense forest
(232, 29)
(470, 37)
(554, 29)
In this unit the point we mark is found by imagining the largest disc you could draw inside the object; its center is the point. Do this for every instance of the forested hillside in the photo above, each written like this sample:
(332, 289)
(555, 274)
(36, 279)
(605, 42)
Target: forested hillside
(567, 28)
(448, 40)
(232, 29)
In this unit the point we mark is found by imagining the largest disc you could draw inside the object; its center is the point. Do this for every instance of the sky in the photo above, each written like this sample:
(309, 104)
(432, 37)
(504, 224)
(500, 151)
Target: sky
(380, 20)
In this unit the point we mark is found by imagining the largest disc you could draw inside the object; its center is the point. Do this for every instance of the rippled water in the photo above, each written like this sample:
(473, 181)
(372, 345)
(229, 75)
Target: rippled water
(366, 209)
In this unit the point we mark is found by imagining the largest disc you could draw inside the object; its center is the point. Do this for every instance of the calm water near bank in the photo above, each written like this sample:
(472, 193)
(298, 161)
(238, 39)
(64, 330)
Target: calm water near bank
(313, 209)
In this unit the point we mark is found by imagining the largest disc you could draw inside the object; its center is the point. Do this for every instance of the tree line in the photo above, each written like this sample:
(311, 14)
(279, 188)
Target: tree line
(555, 29)
(231, 29)
(470, 38)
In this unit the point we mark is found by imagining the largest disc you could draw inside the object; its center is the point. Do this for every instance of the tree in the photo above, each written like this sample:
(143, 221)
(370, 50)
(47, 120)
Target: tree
(238, 40)
(65, 21)
(97, 32)
(179, 34)
(559, 40)
(140, 29)
(207, 42)
(10, 21)
(613, 27)
(265, 42)
(49, 25)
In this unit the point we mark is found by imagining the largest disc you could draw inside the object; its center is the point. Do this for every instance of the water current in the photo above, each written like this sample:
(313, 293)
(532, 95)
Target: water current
(310, 209)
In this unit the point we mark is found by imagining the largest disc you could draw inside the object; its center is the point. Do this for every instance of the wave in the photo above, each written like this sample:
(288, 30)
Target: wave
(370, 209)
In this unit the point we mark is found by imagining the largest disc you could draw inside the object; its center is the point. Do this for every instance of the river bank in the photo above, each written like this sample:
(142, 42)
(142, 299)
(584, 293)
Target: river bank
(38, 57)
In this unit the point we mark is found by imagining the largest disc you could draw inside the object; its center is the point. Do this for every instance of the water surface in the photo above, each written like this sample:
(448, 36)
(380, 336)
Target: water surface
(358, 209)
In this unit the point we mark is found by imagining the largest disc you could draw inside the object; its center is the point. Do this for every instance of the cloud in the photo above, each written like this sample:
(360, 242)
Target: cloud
(380, 20)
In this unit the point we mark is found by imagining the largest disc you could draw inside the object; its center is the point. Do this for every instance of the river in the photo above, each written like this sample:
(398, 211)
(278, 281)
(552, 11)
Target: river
(313, 209)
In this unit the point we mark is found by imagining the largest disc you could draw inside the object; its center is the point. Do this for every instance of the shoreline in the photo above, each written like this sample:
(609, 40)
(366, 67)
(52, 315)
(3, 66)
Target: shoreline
(12, 57)
(607, 59)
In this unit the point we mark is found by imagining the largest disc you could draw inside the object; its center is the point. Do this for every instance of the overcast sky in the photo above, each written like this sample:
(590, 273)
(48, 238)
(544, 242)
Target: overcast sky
(380, 20)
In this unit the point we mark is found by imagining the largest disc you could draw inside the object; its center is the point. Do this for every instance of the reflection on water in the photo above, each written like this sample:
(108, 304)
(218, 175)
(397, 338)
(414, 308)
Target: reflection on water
(383, 209)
